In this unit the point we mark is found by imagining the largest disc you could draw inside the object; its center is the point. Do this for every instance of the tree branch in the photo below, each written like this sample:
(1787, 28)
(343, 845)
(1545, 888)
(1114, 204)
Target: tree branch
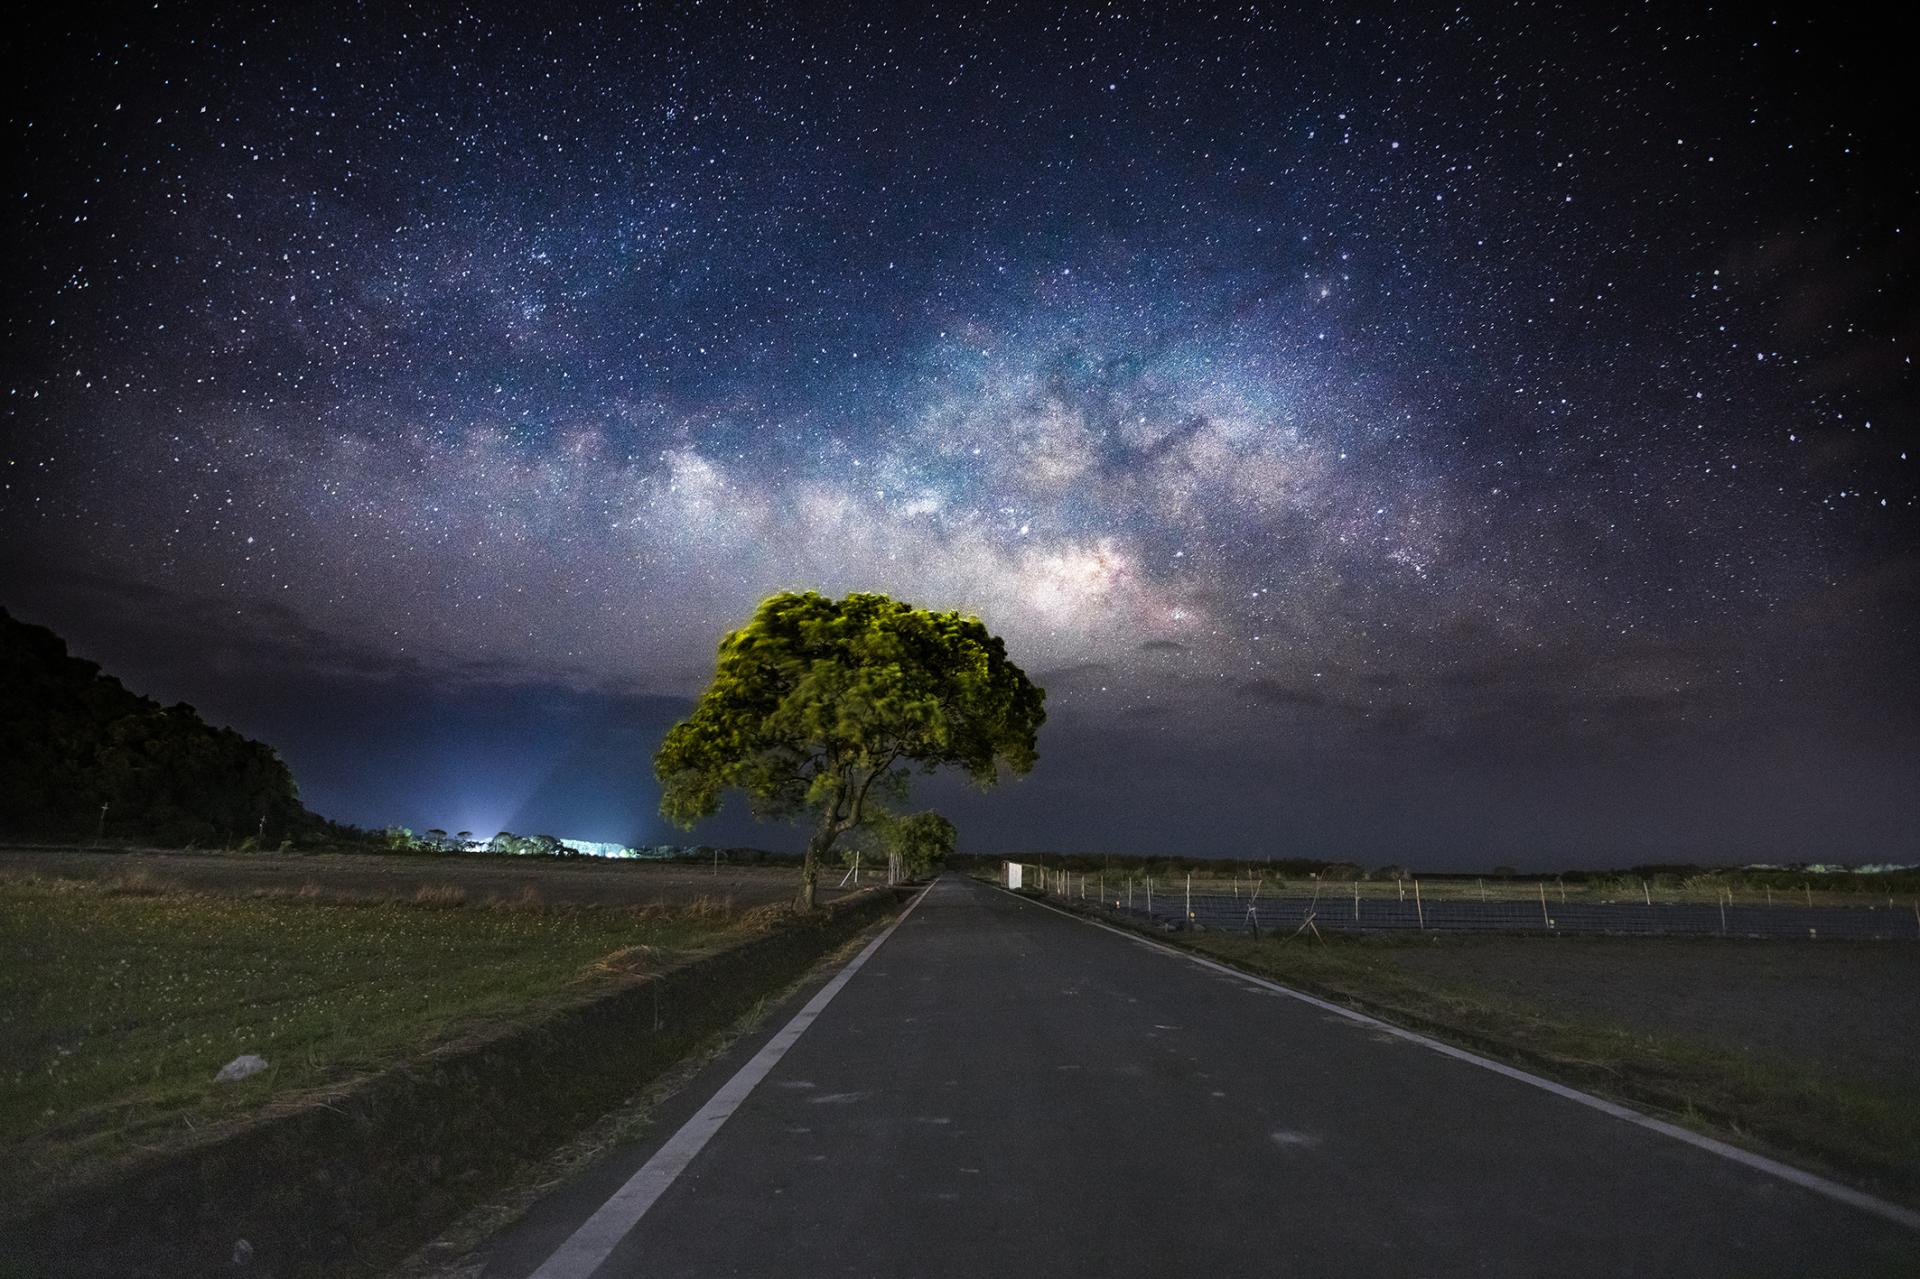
(860, 798)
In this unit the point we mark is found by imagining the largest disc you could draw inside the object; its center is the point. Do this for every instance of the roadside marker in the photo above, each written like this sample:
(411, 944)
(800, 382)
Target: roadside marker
(1760, 1163)
(597, 1237)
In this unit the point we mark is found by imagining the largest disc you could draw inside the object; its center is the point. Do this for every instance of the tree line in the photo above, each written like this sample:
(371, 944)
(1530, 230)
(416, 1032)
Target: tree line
(81, 757)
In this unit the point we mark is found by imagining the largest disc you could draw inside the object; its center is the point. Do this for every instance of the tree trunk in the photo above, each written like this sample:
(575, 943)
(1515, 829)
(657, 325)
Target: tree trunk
(823, 837)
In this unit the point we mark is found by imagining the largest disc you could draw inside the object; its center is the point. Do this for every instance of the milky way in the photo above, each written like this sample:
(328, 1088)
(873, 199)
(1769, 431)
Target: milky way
(1466, 436)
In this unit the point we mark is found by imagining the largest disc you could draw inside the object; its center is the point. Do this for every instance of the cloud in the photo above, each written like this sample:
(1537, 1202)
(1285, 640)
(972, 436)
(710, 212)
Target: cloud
(1079, 675)
(1273, 692)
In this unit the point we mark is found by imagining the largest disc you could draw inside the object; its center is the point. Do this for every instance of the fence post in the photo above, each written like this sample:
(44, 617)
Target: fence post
(1545, 922)
(1809, 892)
(1149, 897)
(1647, 892)
(1419, 911)
(1356, 901)
(1769, 895)
(1189, 897)
(1723, 916)
(1400, 884)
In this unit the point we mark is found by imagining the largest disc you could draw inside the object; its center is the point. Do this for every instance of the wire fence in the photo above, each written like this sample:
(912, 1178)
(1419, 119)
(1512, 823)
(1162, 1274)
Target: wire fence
(1538, 908)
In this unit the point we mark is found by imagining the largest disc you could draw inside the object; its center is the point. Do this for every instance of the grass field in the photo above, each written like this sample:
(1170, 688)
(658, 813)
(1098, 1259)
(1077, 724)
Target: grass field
(122, 996)
(582, 881)
(1659, 890)
(1799, 1048)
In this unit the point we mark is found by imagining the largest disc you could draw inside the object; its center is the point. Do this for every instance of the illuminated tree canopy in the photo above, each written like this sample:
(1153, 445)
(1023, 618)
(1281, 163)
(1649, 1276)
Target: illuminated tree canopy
(817, 704)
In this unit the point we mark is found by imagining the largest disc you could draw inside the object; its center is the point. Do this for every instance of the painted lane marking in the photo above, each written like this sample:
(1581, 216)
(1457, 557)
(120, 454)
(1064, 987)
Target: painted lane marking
(599, 1234)
(1760, 1163)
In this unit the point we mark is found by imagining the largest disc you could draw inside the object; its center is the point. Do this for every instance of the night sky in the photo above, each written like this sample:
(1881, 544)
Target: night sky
(1459, 437)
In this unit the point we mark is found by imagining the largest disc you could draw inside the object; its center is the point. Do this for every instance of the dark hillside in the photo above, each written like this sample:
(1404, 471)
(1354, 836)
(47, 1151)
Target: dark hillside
(73, 740)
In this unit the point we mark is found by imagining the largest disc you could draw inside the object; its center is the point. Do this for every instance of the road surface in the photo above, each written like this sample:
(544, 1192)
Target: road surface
(1001, 1089)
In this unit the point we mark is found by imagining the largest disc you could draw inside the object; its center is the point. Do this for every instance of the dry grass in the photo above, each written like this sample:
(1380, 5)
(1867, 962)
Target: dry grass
(441, 895)
(528, 898)
(138, 882)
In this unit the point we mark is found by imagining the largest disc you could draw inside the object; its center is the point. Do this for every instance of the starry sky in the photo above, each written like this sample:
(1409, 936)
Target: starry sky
(1448, 437)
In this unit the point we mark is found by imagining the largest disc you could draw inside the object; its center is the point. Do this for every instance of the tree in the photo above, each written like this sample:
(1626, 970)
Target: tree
(912, 844)
(816, 703)
(921, 841)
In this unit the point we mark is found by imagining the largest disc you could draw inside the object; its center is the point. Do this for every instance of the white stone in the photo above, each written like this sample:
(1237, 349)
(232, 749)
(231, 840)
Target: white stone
(239, 1068)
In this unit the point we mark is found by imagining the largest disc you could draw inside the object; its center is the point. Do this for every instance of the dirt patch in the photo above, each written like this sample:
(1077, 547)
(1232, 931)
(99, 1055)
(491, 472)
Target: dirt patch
(1850, 1009)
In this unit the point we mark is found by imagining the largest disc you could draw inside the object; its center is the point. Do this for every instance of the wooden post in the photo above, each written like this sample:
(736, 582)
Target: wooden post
(1419, 911)
(1400, 884)
(1769, 894)
(1149, 897)
(1356, 901)
(1809, 890)
(1648, 891)
(1545, 922)
(1723, 916)
(1189, 896)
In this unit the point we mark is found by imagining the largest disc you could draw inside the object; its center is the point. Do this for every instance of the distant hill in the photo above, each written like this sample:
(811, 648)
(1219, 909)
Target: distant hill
(73, 739)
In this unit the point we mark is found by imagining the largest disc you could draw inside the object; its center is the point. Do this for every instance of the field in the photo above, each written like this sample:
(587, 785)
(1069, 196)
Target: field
(128, 982)
(1801, 1048)
(581, 881)
(1785, 888)
(1850, 1012)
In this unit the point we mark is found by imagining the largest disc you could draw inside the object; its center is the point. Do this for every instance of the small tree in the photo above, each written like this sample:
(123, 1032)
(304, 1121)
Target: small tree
(816, 702)
(922, 841)
(914, 844)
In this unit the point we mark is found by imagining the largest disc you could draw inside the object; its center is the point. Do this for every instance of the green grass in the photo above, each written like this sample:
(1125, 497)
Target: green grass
(118, 1007)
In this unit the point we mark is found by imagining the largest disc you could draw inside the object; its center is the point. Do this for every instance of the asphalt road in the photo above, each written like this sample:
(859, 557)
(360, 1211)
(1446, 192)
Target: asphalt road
(1004, 1090)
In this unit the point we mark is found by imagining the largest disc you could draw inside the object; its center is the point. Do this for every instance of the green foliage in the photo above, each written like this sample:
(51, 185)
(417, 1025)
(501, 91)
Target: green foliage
(74, 742)
(923, 841)
(529, 845)
(818, 706)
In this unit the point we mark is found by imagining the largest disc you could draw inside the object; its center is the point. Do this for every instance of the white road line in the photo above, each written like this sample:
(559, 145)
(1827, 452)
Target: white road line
(588, 1246)
(1772, 1167)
